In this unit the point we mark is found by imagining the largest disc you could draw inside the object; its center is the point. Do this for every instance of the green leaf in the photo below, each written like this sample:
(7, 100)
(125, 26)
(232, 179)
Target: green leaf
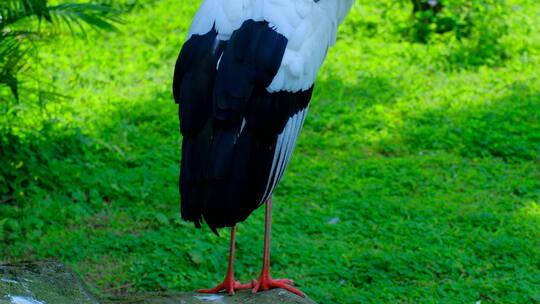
(197, 257)
(162, 218)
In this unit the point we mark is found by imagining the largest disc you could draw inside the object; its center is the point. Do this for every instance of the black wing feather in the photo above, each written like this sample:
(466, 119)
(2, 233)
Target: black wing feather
(230, 122)
(194, 73)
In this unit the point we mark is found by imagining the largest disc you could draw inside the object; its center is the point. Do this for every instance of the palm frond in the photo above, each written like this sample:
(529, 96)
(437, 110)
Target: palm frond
(13, 11)
(11, 62)
(17, 41)
(93, 15)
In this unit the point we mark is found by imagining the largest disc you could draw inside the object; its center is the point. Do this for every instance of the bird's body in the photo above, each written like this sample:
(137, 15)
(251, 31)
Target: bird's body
(243, 81)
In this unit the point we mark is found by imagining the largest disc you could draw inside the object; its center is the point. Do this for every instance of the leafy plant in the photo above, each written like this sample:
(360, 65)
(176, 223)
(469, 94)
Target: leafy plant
(20, 32)
(478, 35)
(426, 16)
(474, 30)
(461, 17)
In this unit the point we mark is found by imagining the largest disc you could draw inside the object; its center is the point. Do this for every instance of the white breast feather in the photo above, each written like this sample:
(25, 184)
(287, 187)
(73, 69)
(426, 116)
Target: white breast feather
(309, 26)
(204, 18)
(311, 29)
(225, 15)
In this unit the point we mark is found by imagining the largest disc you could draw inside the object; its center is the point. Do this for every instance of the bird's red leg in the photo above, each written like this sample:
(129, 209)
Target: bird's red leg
(229, 285)
(265, 281)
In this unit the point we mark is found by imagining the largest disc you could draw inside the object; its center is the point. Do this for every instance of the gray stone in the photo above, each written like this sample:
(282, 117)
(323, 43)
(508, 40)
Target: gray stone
(275, 296)
(55, 283)
(42, 283)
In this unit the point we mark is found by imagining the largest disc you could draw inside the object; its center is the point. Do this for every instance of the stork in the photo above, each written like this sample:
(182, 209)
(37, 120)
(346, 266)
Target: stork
(243, 81)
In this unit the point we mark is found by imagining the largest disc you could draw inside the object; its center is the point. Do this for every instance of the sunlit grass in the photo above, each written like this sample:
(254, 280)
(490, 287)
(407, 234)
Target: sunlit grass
(414, 181)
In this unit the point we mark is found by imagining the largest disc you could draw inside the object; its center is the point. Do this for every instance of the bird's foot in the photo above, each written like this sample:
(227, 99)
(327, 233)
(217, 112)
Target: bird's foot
(266, 282)
(229, 285)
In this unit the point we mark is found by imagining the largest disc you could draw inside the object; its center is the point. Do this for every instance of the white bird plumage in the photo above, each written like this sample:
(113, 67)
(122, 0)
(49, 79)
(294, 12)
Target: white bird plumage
(244, 80)
(310, 27)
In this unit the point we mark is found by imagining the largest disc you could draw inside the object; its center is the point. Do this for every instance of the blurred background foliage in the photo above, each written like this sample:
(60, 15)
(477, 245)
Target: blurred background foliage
(416, 179)
(26, 26)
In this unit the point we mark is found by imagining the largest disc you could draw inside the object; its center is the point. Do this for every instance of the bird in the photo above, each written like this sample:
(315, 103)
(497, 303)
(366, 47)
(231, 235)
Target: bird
(243, 81)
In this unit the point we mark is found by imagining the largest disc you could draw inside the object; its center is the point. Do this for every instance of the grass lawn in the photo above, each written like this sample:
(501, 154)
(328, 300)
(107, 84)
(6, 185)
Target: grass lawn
(416, 179)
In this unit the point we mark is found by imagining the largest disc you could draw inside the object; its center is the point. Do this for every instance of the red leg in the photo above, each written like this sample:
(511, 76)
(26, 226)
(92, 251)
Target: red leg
(265, 281)
(229, 285)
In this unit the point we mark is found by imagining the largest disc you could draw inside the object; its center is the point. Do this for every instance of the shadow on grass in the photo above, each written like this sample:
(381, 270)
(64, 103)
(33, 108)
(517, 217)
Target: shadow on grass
(409, 225)
(506, 127)
(60, 175)
(445, 212)
(365, 116)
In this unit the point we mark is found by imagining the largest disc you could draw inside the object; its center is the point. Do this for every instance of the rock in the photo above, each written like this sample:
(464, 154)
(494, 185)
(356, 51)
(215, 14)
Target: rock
(42, 283)
(55, 283)
(275, 296)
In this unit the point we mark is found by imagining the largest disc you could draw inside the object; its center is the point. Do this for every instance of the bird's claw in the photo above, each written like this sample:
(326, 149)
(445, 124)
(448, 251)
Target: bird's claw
(229, 285)
(265, 282)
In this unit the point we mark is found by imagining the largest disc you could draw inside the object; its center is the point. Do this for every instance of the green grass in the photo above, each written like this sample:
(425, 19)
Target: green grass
(432, 169)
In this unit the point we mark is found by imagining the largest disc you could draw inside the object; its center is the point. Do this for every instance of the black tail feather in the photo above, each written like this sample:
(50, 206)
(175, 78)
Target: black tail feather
(230, 122)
